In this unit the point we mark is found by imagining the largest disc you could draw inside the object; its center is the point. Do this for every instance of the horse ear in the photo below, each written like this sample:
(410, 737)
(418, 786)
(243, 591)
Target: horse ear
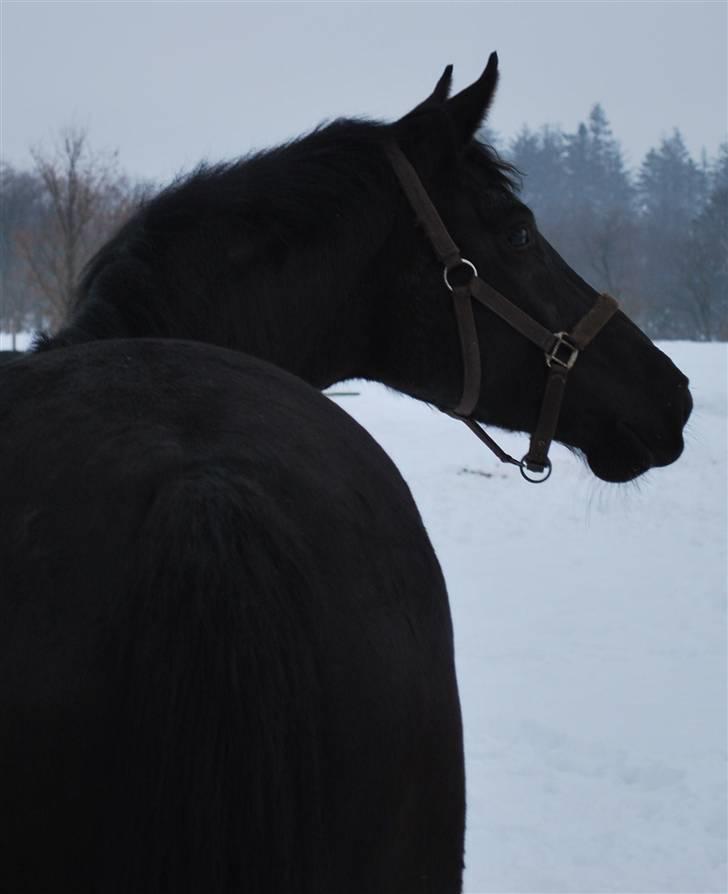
(467, 109)
(438, 96)
(442, 88)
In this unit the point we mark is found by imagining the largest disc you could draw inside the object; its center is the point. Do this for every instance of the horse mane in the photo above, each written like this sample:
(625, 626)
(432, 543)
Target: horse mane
(285, 190)
(288, 190)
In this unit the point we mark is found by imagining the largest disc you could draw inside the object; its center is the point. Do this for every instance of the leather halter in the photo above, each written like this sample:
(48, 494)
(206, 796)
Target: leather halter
(560, 349)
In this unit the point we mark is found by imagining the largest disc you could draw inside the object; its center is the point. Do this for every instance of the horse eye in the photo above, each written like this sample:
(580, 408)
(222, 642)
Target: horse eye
(519, 237)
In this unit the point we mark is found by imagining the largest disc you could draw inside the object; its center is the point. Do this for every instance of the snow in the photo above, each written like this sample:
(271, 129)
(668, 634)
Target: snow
(591, 649)
(590, 635)
(22, 341)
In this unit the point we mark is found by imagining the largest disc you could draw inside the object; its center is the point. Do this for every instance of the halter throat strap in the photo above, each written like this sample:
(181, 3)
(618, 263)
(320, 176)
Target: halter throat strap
(560, 349)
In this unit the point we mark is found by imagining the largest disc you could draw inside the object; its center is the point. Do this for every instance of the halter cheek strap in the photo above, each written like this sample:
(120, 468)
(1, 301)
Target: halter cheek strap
(561, 349)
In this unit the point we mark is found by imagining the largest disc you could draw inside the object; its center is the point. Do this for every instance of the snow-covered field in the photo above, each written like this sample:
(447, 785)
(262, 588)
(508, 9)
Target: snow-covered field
(590, 624)
(590, 627)
(22, 341)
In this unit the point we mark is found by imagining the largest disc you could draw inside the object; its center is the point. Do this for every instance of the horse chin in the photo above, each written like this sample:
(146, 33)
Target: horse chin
(623, 456)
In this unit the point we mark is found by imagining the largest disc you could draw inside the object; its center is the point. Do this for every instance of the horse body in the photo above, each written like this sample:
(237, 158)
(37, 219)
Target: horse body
(247, 677)
(227, 652)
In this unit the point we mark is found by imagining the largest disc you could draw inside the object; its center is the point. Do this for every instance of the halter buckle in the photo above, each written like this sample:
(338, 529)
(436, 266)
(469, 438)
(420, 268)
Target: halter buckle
(562, 352)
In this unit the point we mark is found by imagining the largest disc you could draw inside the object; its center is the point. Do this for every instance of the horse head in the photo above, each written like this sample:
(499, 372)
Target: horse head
(626, 403)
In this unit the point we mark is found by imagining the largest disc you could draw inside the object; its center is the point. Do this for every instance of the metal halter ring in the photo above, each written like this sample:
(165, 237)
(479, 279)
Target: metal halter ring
(527, 473)
(460, 263)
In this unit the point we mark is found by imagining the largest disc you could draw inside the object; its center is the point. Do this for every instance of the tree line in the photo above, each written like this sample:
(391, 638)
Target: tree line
(656, 237)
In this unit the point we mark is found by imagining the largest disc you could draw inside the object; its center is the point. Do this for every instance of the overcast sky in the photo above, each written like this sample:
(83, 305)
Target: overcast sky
(170, 83)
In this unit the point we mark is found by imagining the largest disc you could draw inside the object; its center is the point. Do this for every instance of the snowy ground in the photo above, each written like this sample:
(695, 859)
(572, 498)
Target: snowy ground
(591, 646)
(22, 341)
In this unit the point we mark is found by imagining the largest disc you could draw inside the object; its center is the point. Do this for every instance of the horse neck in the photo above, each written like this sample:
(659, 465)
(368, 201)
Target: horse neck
(315, 327)
(289, 264)
(309, 311)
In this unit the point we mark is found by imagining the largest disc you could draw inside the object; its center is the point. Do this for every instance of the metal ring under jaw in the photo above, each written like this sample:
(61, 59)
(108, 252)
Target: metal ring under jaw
(527, 473)
(462, 262)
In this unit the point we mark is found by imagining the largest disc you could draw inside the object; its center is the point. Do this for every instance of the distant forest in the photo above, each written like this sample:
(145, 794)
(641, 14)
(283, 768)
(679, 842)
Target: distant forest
(655, 237)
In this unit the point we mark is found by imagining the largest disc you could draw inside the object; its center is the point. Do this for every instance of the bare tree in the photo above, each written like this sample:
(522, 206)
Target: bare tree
(85, 198)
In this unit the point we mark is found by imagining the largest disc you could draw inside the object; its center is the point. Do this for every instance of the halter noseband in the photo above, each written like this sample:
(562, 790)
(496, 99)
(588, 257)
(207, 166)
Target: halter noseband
(560, 349)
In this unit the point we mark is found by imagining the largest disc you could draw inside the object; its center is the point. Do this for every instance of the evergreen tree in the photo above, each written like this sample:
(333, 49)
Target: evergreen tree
(540, 159)
(705, 260)
(610, 184)
(718, 174)
(577, 159)
(595, 168)
(672, 194)
(672, 187)
(599, 195)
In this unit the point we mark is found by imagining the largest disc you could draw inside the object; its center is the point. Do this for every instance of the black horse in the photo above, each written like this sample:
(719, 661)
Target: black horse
(225, 641)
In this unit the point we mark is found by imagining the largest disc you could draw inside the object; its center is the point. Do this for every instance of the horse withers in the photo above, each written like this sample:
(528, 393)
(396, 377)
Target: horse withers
(226, 648)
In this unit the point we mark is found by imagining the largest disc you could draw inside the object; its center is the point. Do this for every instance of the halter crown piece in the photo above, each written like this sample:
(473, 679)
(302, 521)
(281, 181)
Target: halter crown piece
(561, 349)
